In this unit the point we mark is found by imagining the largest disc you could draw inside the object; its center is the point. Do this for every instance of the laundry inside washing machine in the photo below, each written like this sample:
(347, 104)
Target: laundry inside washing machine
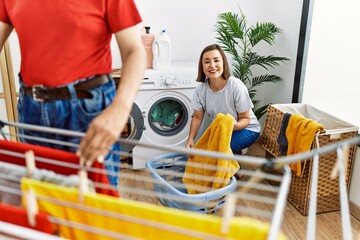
(167, 116)
(166, 113)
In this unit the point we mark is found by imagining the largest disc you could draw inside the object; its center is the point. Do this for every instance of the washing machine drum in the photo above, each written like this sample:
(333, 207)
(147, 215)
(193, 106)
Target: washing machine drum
(168, 116)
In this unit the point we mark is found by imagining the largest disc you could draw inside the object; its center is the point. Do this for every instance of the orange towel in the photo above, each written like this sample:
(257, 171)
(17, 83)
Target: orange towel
(217, 137)
(300, 134)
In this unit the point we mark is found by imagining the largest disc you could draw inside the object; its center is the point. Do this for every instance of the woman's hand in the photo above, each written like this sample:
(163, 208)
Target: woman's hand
(243, 121)
(190, 144)
(235, 124)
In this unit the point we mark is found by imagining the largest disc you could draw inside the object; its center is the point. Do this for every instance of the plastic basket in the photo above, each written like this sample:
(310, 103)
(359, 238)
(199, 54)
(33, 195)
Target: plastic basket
(175, 195)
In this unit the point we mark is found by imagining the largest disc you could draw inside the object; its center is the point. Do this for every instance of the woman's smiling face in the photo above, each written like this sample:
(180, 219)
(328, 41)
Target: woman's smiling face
(213, 65)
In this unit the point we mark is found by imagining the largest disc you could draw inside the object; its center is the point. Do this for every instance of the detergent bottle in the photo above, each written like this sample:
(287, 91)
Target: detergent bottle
(148, 41)
(162, 51)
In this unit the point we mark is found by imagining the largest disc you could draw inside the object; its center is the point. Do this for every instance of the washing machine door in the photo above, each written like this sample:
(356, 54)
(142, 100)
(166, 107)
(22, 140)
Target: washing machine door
(168, 116)
(134, 128)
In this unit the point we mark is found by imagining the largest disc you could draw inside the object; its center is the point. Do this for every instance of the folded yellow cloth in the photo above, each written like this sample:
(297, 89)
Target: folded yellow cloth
(300, 133)
(217, 137)
(116, 218)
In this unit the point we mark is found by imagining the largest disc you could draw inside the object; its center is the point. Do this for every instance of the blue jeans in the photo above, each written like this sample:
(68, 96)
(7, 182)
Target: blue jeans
(242, 139)
(70, 114)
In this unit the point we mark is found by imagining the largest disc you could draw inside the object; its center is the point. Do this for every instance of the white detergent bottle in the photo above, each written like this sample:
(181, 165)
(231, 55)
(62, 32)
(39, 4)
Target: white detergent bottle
(162, 51)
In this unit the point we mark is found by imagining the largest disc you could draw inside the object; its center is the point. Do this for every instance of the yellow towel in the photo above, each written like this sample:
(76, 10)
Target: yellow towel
(217, 137)
(139, 221)
(300, 134)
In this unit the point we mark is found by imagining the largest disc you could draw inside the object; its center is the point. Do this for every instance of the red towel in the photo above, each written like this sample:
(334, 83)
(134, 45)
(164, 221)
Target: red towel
(58, 155)
(17, 216)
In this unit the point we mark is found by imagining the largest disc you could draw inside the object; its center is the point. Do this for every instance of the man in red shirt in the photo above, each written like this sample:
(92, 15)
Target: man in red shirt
(66, 64)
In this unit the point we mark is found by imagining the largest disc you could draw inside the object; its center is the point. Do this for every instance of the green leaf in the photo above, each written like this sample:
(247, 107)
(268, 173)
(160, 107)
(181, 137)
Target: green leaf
(253, 59)
(263, 32)
(259, 112)
(232, 24)
(260, 80)
(252, 94)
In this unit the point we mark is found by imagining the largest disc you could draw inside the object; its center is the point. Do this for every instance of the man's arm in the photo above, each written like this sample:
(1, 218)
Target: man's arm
(105, 129)
(5, 30)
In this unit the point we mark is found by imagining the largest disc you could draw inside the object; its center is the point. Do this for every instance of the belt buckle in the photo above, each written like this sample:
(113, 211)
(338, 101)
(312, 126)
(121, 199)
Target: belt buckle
(34, 89)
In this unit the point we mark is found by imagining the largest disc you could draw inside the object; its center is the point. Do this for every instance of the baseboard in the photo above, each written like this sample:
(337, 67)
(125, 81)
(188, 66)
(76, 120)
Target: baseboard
(354, 210)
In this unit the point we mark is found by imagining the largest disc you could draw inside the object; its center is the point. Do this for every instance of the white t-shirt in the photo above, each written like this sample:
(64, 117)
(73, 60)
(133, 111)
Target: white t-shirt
(233, 98)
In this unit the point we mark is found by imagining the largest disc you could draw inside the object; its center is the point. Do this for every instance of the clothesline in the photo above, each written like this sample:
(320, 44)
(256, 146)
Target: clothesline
(122, 174)
(148, 180)
(249, 194)
(262, 214)
(17, 232)
(251, 160)
(163, 226)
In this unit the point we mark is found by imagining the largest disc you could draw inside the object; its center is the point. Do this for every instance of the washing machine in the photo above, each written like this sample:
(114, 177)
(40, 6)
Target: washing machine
(162, 110)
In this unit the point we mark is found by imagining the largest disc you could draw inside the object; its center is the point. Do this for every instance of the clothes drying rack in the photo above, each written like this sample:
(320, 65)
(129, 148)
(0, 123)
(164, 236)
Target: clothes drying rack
(252, 200)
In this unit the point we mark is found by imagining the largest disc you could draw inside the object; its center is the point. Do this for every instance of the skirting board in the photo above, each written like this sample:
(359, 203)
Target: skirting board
(354, 210)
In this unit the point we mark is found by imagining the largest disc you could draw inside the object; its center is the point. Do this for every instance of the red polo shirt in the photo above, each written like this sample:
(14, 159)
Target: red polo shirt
(62, 41)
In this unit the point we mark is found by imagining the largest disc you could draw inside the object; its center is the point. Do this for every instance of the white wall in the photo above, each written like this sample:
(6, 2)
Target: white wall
(332, 77)
(190, 25)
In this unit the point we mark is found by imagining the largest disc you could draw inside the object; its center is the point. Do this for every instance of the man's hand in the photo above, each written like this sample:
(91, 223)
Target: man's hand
(102, 133)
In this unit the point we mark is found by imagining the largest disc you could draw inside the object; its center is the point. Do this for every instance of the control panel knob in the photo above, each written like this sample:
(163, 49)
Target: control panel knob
(168, 81)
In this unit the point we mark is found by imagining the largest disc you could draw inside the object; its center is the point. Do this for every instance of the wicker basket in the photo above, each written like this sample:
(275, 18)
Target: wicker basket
(336, 130)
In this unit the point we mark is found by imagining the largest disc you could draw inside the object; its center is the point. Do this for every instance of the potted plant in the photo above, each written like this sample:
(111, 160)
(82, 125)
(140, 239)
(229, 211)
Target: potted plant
(239, 40)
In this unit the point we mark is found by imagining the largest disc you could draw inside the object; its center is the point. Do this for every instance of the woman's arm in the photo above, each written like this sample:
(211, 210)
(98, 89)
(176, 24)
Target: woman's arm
(243, 121)
(194, 127)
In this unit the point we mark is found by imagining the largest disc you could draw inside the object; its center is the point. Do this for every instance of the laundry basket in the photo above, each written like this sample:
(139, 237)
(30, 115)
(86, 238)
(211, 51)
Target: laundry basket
(336, 130)
(167, 171)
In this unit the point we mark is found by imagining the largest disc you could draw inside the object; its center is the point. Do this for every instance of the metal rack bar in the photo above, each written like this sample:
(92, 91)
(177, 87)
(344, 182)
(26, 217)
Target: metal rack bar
(247, 190)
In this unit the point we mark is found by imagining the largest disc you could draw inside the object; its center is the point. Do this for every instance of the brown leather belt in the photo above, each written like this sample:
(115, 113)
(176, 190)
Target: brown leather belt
(41, 93)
